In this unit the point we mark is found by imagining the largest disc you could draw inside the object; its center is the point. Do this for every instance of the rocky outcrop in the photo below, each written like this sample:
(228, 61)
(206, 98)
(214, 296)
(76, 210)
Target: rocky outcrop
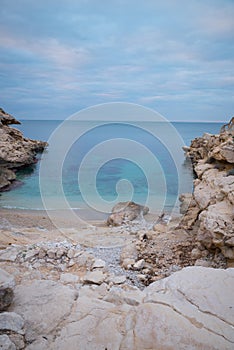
(12, 330)
(16, 151)
(193, 306)
(211, 209)
(124, 212)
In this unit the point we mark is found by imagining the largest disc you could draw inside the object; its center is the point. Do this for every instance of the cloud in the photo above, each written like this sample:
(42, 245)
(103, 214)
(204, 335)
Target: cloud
(79, 53)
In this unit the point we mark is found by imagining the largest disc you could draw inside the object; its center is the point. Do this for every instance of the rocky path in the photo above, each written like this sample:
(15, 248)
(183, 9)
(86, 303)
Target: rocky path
(75, 294)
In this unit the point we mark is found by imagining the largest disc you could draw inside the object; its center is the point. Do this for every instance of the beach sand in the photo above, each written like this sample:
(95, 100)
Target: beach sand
(33, 226)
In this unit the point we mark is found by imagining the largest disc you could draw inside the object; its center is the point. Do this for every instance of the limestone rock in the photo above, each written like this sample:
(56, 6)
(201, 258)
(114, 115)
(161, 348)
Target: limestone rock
(43, 305)
(6, 343)
(10, 321)
(7, 284)
(126, 211)
(10, 253)
(69, 278)
(210, 212)
(193, 306)
(95, 277)
(98, 263)
(15, 150)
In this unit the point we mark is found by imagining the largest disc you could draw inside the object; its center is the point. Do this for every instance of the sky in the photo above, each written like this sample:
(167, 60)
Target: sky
(60, 56)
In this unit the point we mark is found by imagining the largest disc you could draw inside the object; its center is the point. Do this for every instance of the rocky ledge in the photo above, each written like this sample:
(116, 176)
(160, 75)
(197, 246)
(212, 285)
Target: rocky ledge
(209, 211)
(194, 306)
(16, 151)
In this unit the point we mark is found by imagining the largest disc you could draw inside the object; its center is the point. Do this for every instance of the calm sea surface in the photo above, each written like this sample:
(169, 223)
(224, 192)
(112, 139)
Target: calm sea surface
(144, 170)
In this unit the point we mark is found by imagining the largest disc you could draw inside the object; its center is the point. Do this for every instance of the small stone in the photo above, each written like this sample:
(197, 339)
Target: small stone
(160, 228)
(10, 254)
(142, 234)
(139, 264)
(10, 321)
(60, 252)
(71, 253)
(36, 265)
(41, 253)
(6, 280)
(18, 340)
(6, 343)
(230, 241)
(99, 263)
(71, 263)
(128, 263)
(204, 263)
(141, 277)
(118, 279)
(196, 253)
(95, 277)
(69, 278)
(51, 253)
(30, 254)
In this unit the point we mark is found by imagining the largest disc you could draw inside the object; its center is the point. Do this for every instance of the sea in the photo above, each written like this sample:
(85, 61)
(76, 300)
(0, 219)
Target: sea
(93, 167)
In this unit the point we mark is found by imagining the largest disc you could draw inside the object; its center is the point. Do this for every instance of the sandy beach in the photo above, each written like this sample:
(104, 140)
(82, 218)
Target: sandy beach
(34, 226)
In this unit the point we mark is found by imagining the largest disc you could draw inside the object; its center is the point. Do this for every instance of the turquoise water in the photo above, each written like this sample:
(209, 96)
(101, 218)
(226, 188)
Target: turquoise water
(144, 169)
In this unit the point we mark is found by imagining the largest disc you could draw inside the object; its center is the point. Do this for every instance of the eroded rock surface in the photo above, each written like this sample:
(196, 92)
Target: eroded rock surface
(194, 306)
(211, 210)
(15, 150)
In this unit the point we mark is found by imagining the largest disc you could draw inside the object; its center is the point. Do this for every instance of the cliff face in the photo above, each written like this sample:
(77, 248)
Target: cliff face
(211, 207)
(16, 151)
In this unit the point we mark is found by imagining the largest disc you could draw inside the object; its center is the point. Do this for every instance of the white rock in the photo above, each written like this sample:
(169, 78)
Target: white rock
(71, 253)
(95, 277)
(30, 254)
(128, 263)
(10, 321)
(118, 279)
(6, 343)
(99, 263)
(43, 305)
(10, 253)
(6, 280)
(139, 264)
(51, 253)
(69, 278)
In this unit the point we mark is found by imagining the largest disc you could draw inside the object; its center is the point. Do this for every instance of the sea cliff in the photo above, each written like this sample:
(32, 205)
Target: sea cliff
(210, 213)
(16, 151)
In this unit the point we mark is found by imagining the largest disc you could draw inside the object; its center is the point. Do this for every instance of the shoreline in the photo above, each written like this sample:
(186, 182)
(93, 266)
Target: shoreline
(46, 219)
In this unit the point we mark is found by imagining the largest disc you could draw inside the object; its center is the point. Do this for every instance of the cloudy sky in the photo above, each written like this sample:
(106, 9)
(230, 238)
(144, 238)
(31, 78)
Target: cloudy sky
(59, 56)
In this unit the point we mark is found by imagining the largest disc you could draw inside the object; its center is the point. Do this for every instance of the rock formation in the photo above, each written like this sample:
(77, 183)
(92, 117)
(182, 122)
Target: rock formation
(210, 212)
(16, 151)
(124, 212)
(193, 307)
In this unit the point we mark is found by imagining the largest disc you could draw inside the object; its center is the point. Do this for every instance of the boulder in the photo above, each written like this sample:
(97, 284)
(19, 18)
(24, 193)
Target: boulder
(126, 211)
(191, 309)
(43, 305)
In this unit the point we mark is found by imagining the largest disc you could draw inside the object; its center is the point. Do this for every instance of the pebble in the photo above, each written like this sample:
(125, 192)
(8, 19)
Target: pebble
(139, 264)
(118, 279)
